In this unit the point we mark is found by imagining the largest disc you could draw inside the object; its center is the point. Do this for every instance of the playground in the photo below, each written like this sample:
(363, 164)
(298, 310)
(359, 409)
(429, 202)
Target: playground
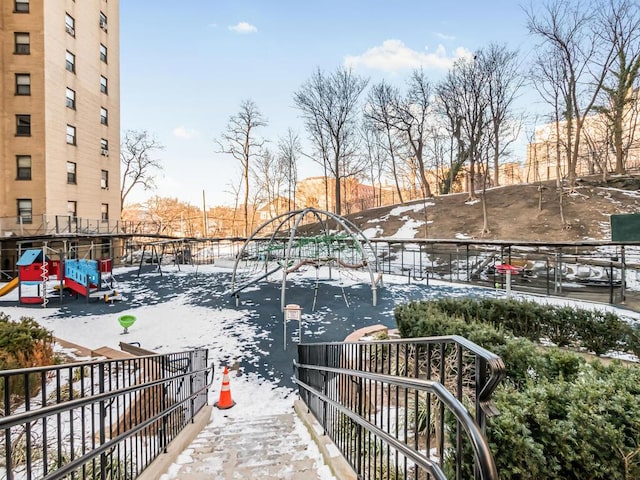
(191, 307)
(239, 307)
(41, 278)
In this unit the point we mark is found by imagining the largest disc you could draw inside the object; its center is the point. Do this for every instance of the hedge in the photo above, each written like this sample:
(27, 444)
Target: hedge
(593, 330)
(23, 344)
(560, 416)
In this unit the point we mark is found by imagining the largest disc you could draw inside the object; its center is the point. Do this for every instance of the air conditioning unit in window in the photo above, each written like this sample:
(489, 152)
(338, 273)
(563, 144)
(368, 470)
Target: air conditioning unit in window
(103, 25)
(70, 30)
(105, 152)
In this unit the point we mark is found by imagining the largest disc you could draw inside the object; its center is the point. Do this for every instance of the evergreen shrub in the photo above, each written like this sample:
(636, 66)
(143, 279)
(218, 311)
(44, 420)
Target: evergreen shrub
(559, 416)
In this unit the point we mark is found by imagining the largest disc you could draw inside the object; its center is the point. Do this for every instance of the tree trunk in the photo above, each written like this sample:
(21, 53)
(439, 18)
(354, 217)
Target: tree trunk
(338, 208)
(618, 141)
(472, 179)
(496, 156)
(394, 167)
(485, 216)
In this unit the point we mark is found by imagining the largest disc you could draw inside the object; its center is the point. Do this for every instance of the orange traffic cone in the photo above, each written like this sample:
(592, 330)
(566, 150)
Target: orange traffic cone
(225, 393)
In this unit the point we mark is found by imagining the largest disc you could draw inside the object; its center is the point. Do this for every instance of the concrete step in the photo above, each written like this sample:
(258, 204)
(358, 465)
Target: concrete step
(257, 448)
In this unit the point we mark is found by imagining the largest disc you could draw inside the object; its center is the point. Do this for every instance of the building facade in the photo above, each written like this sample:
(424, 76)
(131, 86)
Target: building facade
(547, 154)
(60, 116)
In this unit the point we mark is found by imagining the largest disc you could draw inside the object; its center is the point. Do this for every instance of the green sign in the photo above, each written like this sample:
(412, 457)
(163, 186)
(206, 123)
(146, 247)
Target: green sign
(625, 228)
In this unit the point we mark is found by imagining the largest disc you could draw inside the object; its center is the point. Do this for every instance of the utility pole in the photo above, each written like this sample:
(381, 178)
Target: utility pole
(204, 216)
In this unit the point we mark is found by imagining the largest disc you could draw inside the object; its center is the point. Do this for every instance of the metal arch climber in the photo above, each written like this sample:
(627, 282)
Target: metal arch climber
(290, 252)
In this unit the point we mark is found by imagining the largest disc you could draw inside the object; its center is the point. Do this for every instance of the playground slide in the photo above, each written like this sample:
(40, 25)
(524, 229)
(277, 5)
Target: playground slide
(76, 287)
(9, 286)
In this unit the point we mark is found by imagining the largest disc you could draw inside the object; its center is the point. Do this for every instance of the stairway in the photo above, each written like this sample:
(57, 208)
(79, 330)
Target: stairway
(268, 447)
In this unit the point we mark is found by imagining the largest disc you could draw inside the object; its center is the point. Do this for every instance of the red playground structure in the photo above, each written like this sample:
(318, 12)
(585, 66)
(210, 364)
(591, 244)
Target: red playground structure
(89, 278)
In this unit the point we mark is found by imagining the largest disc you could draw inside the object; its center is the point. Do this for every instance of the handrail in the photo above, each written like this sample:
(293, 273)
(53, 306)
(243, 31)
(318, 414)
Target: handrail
(481, 450)
(416, 382)
(494, 362)
(39, 414)
(107, 417)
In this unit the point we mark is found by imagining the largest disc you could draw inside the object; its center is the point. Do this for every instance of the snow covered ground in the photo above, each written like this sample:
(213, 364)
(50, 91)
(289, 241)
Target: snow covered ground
(191, 308)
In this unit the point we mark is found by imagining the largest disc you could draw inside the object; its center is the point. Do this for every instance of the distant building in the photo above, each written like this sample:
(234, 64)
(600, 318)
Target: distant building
(60, 123)
(318, 192)
(547, 155)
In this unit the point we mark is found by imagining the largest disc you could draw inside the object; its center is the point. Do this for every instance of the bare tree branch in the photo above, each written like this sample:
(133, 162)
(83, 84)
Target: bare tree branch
(328, 103)
(139, 167)
(239, 141)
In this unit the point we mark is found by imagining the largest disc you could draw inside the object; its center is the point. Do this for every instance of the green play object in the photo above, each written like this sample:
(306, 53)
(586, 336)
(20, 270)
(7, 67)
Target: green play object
(126, 321)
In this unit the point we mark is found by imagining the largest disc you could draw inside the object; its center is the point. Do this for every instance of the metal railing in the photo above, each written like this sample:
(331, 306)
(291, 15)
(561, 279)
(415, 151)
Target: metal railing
(100, 419)
(48, 224)
(404, 408)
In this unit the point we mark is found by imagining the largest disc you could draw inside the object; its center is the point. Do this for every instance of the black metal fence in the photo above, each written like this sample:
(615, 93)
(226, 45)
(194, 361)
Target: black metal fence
(100, 420)
(602, 270)
(404, 408)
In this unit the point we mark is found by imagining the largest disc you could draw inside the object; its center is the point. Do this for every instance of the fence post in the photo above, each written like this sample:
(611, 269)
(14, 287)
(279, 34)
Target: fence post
(360, 411)
(163, 407)
(191, 397)
(103, 419)
(325, 384)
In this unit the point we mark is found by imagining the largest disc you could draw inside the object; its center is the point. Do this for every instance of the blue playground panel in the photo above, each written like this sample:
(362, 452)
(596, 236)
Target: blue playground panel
(29, 257)
(82, 270)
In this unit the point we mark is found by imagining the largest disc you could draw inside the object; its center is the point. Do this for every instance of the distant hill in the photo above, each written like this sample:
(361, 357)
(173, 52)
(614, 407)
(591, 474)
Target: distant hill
(529, 212)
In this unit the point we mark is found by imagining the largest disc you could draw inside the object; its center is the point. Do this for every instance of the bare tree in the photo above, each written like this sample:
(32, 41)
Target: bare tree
(448, 107)
(412, 121)
(568, 29)
(139, 166)
(407, 117)
(328, 103)
(240, 141)
(377, 158)
(270, 174)
(439, 148)
(546, 76)
(288, 152)
(618, 25)
(504, 83)
(378, 114)
(596, 135)
(463, 93)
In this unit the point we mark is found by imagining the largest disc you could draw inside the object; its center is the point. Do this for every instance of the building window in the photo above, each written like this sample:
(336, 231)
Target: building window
(104, 147)
(104, 179)
(23, 125)
(72, 209)
(71, 135)
(104, 116)
(24, 167)
(21, 6)
(70, 63)
(22, 43)
(70, 24)
(25, 210)
(105, 212)
(71, 173)
(23, 84)
(71, 99)
(103, 84)
(103, 21)
(103, 53)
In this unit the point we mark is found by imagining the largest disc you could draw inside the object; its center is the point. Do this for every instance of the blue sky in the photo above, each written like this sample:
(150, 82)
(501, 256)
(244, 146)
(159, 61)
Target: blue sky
(187, 66)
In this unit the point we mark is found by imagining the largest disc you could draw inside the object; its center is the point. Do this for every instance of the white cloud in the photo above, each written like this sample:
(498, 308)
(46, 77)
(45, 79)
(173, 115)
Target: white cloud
(185, 133)
(243, 27)
(394, 55)
(444, 36)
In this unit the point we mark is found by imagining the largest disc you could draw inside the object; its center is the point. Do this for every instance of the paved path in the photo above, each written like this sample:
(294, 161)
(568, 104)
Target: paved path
(268, 447)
